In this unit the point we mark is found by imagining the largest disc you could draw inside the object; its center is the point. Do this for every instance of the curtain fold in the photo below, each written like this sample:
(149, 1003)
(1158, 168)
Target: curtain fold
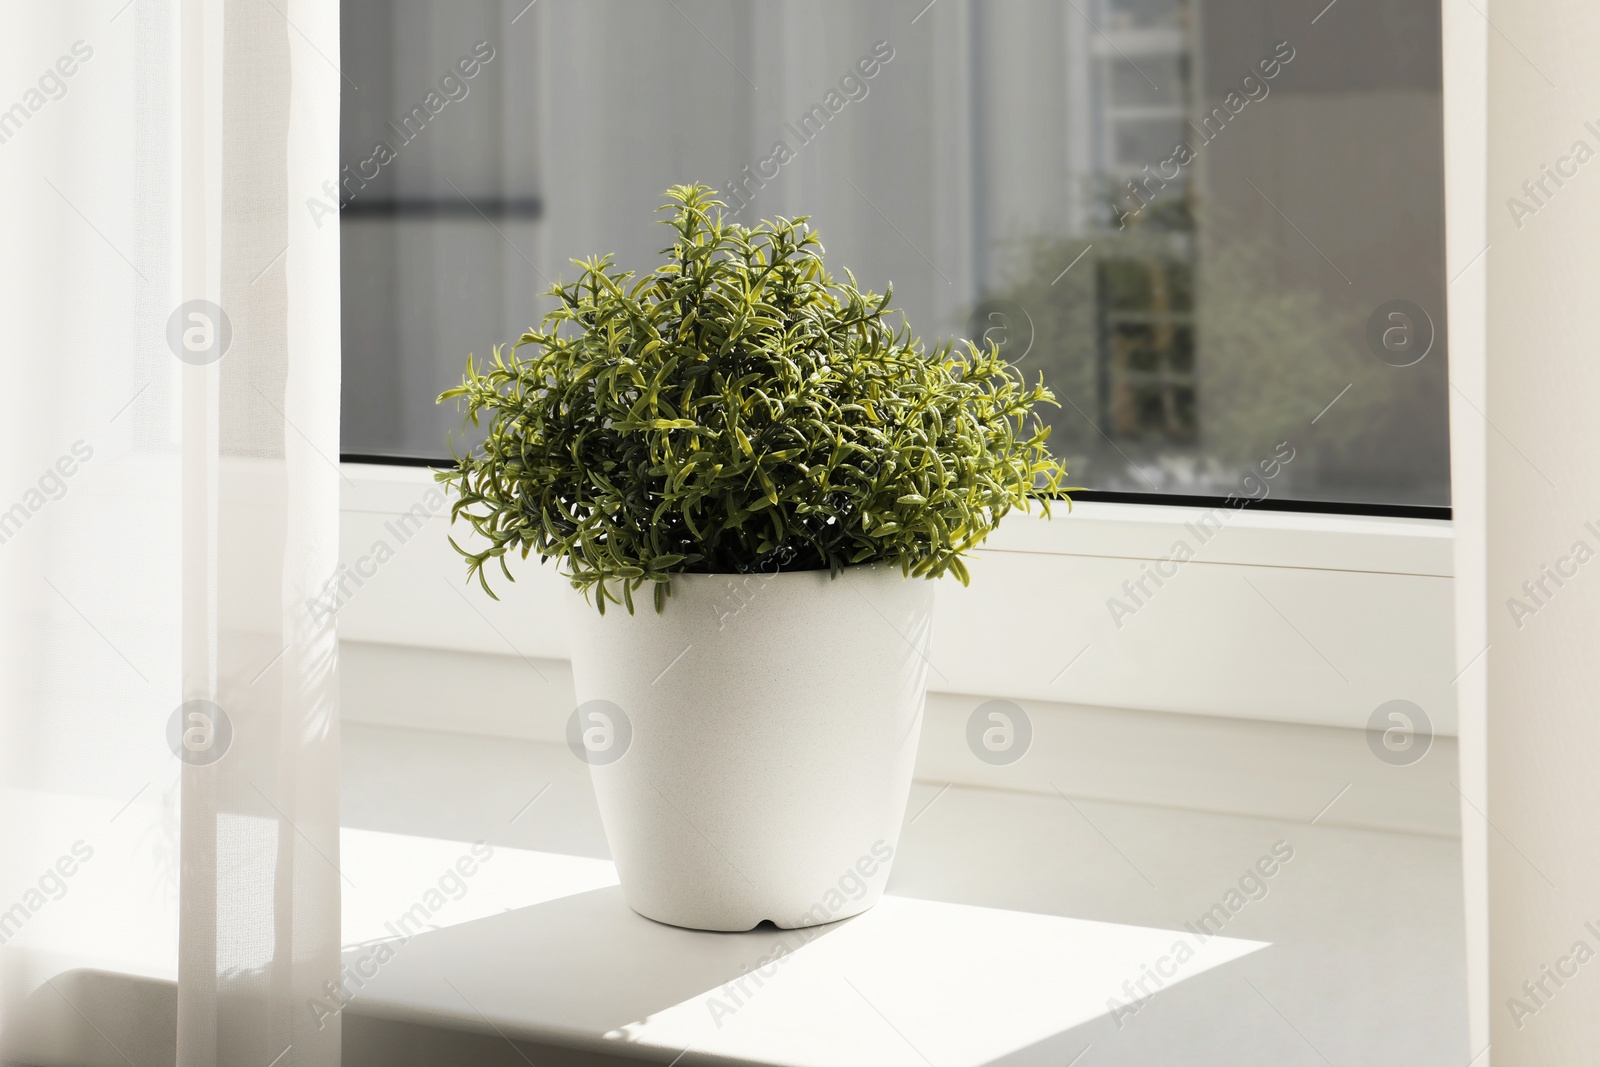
(169, 504)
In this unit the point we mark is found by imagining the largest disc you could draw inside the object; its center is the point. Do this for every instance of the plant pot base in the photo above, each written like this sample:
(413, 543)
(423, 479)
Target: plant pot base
(725, 924)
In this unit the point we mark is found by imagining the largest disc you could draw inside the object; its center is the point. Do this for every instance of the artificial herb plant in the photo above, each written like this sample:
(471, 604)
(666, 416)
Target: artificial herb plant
(739, 410)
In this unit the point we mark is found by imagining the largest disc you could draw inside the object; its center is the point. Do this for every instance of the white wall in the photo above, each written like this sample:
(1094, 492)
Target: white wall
(1525, 483)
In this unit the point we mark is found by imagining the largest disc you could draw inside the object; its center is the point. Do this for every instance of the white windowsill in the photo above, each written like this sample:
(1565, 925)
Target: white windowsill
(1014, 919)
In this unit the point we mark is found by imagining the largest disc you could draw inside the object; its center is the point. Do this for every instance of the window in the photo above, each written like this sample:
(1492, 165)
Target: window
(1218, 238)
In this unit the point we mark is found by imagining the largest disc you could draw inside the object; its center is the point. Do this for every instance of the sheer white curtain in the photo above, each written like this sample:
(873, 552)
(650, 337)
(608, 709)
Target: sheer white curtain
(169, 396)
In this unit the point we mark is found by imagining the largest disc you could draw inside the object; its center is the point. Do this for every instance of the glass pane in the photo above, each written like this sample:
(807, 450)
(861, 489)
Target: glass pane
(1215, 231)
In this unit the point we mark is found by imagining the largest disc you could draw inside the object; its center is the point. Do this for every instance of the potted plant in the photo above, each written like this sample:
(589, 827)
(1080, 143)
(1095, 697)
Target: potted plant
(772, 454)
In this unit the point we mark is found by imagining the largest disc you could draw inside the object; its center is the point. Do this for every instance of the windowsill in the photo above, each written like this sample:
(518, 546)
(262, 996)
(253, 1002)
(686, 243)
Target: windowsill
(584, 972)
(1013, 918)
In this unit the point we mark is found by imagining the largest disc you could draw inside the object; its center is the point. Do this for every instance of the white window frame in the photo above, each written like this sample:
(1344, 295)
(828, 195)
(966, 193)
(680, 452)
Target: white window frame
(1280, 616)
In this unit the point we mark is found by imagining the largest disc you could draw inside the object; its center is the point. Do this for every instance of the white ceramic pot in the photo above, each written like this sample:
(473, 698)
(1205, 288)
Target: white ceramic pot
(752, 746)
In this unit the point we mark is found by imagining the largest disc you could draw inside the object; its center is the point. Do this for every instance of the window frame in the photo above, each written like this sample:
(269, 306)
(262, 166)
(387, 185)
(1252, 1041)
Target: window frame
(1249, 628)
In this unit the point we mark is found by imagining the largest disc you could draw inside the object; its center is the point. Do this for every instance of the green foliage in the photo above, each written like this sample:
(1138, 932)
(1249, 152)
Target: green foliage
(739, 410)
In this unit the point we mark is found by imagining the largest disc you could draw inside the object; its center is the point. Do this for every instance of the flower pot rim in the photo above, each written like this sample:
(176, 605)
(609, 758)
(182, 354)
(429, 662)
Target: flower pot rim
(877, 564)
